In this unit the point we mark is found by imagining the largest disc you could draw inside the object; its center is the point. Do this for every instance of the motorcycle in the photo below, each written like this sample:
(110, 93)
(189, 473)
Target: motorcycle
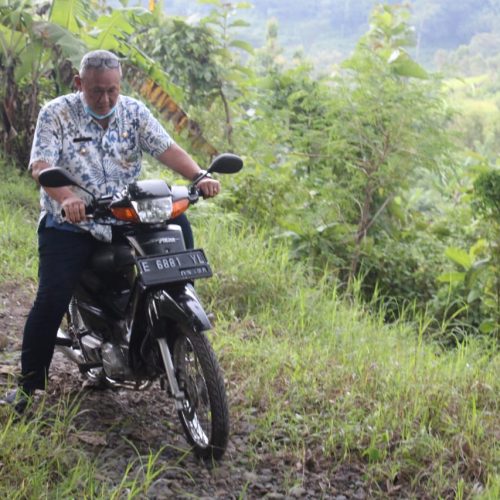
(135, 316)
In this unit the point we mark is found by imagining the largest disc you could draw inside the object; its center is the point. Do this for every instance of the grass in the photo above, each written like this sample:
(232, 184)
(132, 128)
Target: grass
(36, 460)
(39, 458)
(323, 381)
(18, 209)
(333, 382)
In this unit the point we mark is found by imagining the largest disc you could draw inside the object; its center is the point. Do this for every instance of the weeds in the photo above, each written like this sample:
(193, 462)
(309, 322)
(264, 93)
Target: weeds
(18, 208)
(317, 376)
(328, 377)
(36, 459)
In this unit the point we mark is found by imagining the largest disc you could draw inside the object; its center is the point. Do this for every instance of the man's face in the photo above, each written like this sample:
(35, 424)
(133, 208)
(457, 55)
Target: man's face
(100, 88)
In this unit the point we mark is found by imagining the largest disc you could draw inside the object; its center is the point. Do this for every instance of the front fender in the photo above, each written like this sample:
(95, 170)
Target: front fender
(180, 305)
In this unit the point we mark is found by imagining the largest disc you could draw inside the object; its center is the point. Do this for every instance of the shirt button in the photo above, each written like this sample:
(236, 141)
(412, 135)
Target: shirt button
(83, 151)
(125, 135)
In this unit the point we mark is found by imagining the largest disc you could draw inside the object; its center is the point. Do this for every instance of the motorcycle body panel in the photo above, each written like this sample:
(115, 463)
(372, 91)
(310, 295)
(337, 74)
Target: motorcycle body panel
(116, 307)
(180, 305)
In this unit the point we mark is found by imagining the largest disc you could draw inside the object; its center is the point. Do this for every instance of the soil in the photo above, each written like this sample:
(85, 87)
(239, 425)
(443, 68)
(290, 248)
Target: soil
(117, 426)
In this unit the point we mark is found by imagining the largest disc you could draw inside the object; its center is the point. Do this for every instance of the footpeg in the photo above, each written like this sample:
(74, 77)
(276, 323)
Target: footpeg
(62, 339)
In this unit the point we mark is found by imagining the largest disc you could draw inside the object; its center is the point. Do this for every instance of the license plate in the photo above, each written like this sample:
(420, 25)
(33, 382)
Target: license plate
(181, 266)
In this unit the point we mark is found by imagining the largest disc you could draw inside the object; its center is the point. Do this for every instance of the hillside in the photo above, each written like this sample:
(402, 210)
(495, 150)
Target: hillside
(327, 30)
(326, 399)
(356, 286)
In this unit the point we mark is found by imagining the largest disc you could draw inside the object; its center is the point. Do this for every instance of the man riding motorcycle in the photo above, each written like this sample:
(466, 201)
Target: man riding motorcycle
(98, 136)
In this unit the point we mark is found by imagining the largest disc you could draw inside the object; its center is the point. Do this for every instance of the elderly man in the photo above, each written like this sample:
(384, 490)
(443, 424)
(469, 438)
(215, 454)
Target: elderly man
(99, 136)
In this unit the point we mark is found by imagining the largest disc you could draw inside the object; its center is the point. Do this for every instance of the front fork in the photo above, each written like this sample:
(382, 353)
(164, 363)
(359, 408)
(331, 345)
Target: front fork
(182, 307)
(158, 302)
(169, 368)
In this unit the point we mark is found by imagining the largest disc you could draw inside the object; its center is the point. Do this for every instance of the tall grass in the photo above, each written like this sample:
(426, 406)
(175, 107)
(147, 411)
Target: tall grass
(39, 458)
(331, 381)
(321, 379)
(18, 209)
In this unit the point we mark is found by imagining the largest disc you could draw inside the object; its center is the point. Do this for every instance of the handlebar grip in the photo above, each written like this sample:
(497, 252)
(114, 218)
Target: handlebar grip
(195, 191)
(89, 209)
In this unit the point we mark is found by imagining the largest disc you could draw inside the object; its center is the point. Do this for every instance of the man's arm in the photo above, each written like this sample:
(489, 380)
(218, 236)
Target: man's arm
(73, 205)
(179, 161)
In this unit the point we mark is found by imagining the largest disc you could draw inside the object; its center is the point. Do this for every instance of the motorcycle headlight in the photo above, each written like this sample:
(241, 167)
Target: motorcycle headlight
(154, 210)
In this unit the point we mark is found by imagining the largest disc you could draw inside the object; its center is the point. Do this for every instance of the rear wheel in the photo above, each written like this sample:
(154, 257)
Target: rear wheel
(205, 416)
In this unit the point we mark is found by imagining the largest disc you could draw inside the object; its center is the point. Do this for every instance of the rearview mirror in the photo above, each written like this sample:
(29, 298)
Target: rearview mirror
(56, 177)
(226, 163)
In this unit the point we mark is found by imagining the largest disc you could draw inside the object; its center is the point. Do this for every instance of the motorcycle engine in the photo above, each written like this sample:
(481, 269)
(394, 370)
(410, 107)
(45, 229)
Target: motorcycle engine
(115, 361)
(92, 348)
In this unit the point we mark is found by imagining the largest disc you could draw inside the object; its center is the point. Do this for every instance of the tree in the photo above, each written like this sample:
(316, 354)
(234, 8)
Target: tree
(33, 56)
(231, 74)
(388, 121)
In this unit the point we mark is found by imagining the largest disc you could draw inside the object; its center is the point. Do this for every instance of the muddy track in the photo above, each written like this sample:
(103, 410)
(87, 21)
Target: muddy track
(110, 424)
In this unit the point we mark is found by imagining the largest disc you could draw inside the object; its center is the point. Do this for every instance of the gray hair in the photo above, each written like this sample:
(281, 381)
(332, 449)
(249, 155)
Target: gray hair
(100, 60)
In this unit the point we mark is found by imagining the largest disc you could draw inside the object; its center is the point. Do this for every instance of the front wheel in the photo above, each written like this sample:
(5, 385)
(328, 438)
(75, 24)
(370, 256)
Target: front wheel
(205, 416)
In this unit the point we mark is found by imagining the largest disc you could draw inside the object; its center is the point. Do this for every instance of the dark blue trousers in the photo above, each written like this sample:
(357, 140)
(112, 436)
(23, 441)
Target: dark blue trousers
(63, 255)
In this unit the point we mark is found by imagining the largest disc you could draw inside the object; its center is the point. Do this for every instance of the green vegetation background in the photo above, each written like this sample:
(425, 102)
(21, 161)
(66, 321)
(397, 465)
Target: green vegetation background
(356, 256)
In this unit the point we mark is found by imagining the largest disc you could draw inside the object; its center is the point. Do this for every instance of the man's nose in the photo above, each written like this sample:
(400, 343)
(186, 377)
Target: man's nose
(104, 98)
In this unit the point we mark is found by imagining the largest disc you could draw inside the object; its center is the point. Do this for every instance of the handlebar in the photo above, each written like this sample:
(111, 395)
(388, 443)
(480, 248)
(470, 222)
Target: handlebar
(101, 207)
(89, 210)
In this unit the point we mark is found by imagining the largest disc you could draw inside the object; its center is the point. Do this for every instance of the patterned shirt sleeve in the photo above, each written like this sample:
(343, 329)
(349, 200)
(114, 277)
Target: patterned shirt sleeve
(153, 137)
(46, 141)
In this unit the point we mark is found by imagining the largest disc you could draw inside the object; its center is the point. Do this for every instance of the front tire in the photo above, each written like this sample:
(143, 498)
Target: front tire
(205, 416)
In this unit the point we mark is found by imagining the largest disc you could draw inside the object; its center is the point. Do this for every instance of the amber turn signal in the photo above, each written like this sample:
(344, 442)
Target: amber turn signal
(179, 207)
(125, 214)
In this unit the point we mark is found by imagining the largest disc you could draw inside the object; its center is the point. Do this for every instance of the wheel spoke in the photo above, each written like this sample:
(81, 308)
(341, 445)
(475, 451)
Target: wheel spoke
(205, 414)
(197, 416)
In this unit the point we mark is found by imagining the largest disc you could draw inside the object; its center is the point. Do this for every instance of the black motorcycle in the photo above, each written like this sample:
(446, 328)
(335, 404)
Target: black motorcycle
(135, 316)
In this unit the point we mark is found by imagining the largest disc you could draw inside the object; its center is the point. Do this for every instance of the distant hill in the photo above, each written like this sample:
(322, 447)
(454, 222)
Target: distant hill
(327, 30)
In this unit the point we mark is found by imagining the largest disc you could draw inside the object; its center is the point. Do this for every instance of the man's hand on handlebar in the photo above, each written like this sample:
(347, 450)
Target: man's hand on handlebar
(209, 187)
(73, 209)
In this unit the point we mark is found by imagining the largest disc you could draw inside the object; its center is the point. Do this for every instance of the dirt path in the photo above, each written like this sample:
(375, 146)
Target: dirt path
(110, 424)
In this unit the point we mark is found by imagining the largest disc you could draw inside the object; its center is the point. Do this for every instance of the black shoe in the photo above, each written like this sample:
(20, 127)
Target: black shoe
(18, 400)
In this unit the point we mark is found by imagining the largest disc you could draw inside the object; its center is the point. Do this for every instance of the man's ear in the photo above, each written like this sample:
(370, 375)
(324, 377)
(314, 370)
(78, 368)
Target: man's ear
(78, 82)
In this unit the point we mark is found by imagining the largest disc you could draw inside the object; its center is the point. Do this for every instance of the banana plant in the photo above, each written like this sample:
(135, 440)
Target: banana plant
(30, 49)
(15, 22)
(115, 31)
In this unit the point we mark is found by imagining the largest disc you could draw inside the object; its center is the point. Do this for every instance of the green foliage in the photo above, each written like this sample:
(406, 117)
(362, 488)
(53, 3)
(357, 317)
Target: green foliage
(329, 30)
(186, 54)
(487, 190)
(33, 57)
(467, 296)
(402, 408)
(478, 280)
(332, 161)
(72, 15)
(360, 147)
(231, 73)
(478, 57)
(18, 210)
(55, 469)
(478, 112)
(45, 448)
(204, 60)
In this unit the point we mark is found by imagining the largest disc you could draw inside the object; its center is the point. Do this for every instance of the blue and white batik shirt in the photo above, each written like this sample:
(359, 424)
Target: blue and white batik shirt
(102, 160)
